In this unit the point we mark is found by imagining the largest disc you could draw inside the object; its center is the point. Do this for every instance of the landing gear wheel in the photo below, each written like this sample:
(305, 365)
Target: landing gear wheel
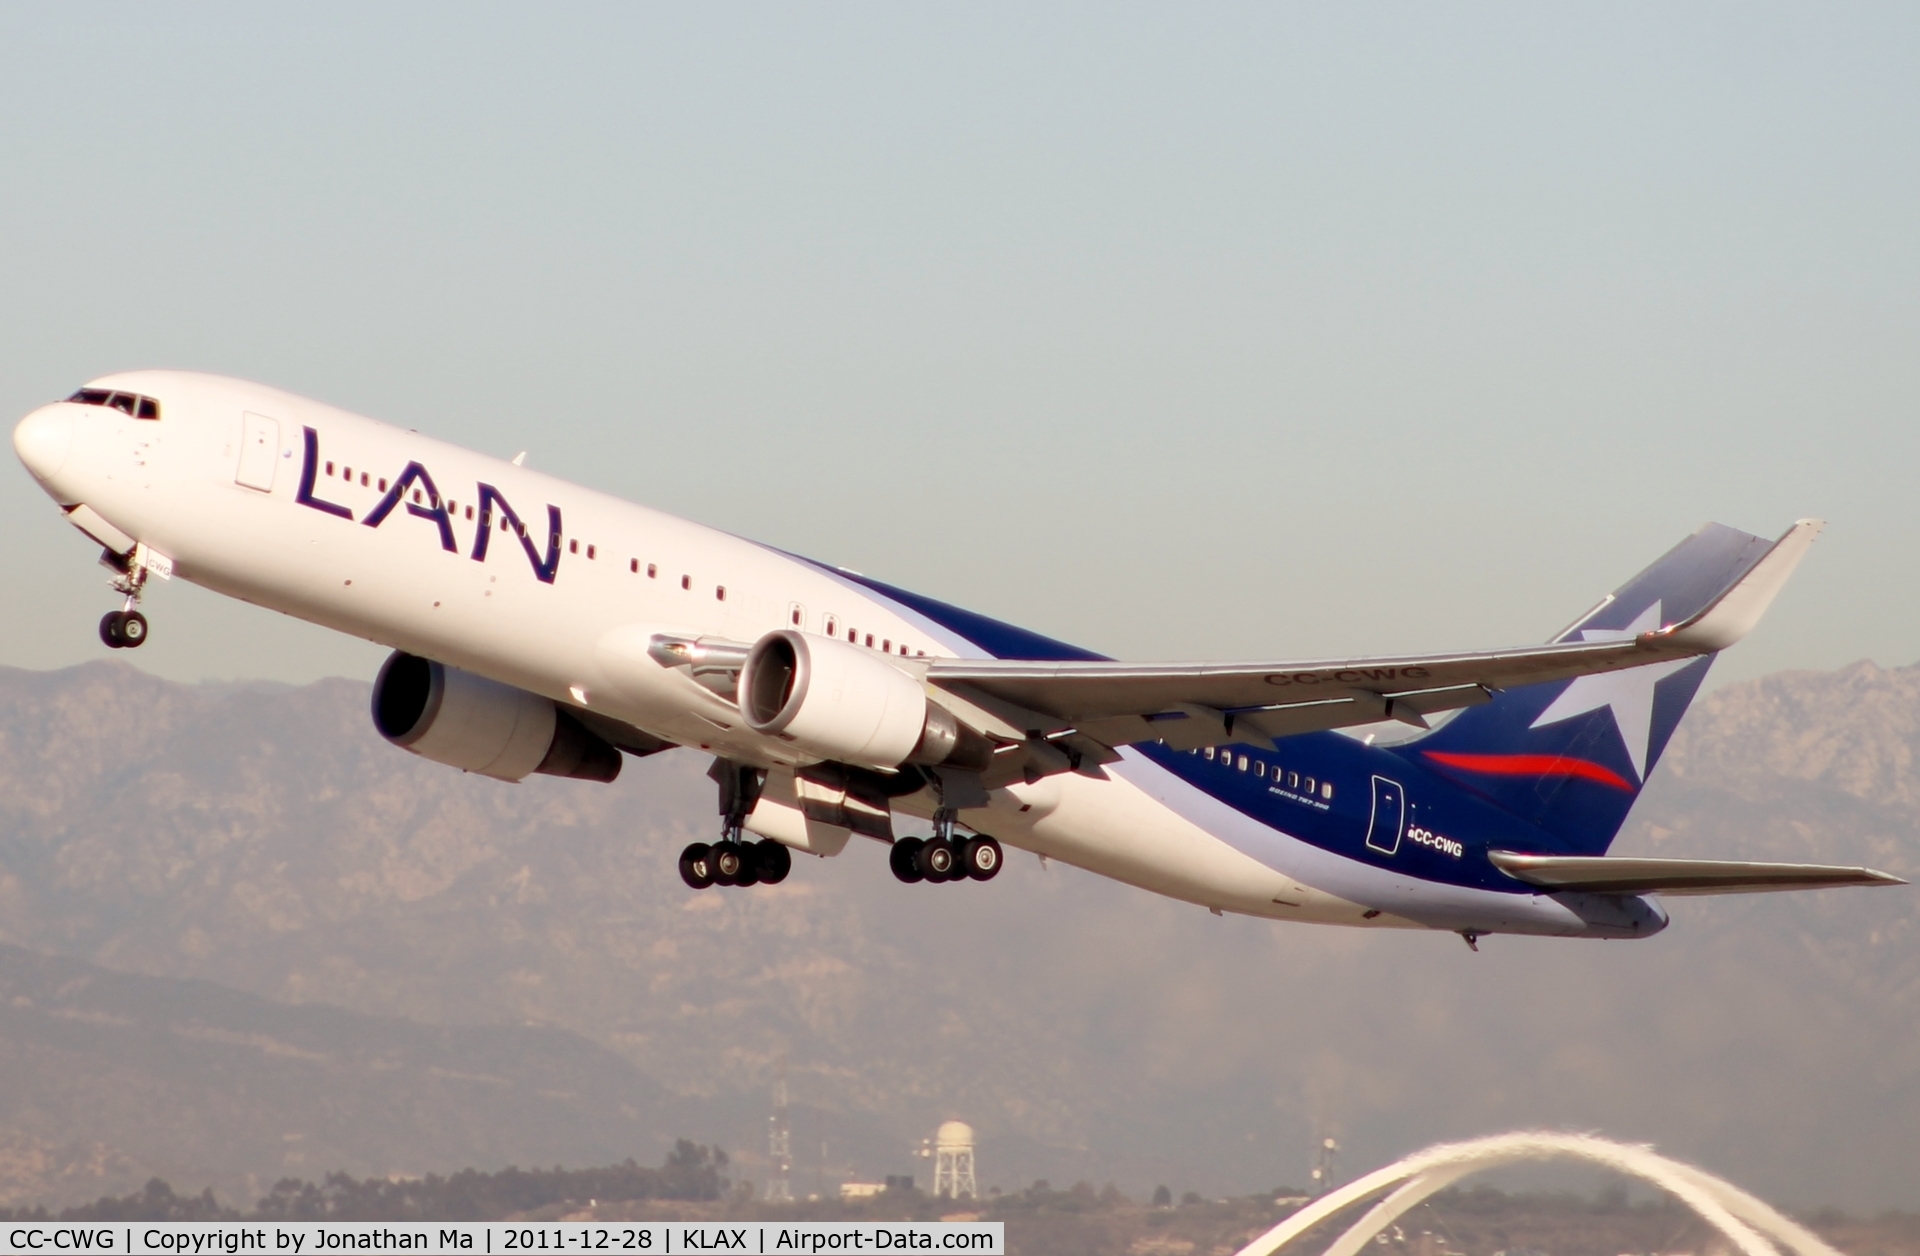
(110, 624)
(980, 857)
(732, 865)
(696, 866)
(133, 628)
(937, 860)
(773, 860)
(749, 873)
(904, 859)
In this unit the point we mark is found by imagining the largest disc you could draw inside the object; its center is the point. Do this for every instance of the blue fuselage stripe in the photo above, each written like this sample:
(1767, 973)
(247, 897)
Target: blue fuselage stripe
(1444, 829)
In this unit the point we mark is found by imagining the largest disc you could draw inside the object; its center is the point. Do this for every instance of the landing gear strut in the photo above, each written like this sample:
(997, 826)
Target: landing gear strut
(733, 860)
(126, 628)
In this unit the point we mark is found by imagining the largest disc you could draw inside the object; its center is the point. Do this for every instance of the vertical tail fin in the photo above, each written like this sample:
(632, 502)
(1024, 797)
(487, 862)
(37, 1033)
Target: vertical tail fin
(1571, 757)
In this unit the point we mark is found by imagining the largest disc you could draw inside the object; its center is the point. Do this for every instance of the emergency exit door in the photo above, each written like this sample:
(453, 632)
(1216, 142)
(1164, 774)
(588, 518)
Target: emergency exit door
(1389, 816)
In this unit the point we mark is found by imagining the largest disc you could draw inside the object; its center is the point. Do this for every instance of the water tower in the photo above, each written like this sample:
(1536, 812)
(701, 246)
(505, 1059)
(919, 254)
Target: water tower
(953, 1162)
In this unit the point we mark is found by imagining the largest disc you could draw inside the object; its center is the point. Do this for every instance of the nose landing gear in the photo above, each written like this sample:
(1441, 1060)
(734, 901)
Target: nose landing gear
(126, 628)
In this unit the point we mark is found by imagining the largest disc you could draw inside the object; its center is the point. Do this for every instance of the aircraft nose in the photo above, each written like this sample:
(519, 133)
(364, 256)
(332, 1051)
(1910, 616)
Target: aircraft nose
(43, 440)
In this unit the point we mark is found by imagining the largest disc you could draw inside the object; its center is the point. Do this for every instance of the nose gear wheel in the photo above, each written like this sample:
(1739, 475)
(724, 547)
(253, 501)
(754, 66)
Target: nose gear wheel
(123, 630)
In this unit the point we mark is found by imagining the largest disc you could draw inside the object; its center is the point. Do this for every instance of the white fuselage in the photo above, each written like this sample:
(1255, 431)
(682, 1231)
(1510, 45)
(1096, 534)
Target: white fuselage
(625, 573)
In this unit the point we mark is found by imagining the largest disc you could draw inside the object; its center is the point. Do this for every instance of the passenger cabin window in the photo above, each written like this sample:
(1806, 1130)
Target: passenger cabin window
(686, 582)
(573, 547)
(832, 626)
(719, 592)
(633, 565)
(592, 552)
(653, 572)
(1326, 790)
(796, 614)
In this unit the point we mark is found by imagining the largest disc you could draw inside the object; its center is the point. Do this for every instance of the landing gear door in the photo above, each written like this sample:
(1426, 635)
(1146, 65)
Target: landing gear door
(259, 451)
(1389, 819)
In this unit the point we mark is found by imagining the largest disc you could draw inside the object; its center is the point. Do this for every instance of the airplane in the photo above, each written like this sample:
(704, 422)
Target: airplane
(541, 627)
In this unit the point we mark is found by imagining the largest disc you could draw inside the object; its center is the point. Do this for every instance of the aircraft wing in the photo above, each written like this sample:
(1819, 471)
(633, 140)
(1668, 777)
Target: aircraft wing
(1086, 705)
(1625, 875)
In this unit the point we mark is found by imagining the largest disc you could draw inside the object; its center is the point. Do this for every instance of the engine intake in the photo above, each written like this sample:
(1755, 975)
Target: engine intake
(849, 705)
(479, 725)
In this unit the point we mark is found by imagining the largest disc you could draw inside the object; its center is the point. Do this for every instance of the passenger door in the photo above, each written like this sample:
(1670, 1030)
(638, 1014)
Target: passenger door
(259, 451)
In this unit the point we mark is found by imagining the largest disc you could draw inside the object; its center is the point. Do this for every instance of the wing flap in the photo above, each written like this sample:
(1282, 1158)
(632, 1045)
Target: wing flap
(1627, 875)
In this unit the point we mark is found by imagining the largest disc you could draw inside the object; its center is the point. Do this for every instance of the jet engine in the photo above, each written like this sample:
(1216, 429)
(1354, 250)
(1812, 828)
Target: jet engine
(849, 705)
(479, 725)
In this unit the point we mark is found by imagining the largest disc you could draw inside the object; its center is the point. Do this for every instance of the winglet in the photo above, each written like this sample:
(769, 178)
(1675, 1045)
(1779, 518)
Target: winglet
(1733, 614)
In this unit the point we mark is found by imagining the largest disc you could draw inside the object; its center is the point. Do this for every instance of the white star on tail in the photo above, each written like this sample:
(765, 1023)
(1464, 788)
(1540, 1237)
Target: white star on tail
(1627, 693)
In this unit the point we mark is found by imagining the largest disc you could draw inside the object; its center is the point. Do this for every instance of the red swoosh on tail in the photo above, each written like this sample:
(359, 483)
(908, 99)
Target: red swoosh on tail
(1531, 765)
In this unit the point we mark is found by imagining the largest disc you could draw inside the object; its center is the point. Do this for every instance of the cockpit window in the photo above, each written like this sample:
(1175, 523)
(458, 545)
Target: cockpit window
(129, 403)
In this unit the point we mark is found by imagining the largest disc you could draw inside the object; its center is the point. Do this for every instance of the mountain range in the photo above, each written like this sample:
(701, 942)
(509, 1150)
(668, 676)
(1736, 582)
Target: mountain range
(249, 938)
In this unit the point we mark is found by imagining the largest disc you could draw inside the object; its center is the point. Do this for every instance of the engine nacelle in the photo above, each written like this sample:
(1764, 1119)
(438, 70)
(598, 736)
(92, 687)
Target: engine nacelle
(479, 725)
(849, 705)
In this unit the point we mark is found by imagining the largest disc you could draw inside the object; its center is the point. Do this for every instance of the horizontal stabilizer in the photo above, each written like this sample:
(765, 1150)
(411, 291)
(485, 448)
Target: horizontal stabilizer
(1615, 875)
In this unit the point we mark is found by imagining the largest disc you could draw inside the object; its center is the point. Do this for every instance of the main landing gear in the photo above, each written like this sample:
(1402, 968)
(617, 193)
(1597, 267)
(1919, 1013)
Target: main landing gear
(945, 856)
(126, 628)
(733, 860)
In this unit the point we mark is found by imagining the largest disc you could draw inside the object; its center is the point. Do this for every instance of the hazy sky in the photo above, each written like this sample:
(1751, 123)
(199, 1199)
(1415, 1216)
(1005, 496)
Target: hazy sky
(1174, 331)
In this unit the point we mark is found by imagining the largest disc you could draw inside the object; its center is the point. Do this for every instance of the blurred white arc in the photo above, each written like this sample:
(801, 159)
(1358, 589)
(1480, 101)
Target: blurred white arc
(1752, 1226)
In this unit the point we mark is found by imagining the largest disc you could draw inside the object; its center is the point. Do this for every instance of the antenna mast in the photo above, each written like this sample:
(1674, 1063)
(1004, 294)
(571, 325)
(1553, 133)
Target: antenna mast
(780, 1142)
